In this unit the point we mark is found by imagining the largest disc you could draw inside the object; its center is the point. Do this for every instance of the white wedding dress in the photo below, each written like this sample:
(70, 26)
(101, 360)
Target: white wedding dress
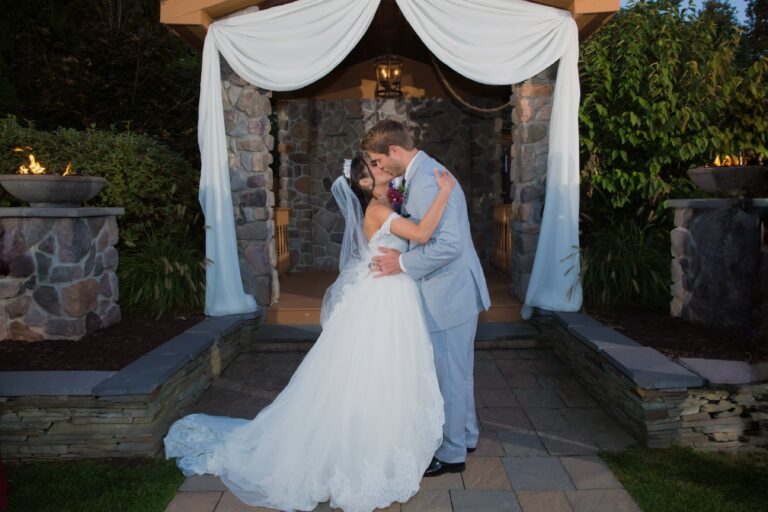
(357, 424)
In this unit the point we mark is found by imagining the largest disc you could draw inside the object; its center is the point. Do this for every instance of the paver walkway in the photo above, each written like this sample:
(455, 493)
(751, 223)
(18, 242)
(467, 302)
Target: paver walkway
(540, 434)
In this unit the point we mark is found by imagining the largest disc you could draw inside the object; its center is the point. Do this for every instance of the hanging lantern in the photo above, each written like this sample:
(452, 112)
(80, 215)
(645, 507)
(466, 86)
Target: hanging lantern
(389, 69)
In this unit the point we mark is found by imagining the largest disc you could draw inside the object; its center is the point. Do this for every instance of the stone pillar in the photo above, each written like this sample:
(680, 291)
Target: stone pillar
(530, 116)
(249, 142)
(295, 178)
(57, 272)
(716, 254)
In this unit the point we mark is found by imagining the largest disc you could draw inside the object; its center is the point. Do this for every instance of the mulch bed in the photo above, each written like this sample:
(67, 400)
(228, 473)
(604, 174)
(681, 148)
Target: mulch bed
(675, 337)
(108, 349)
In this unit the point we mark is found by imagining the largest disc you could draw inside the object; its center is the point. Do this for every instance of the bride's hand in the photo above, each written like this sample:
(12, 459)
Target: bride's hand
(444, 179)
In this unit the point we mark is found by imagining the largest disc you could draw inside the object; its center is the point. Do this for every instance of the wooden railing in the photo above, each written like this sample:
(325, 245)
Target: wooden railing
(281, 240)
(502, 235)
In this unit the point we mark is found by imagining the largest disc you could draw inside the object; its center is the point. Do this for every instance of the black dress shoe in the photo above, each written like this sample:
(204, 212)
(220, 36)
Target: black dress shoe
(470, 450)
(438, 467)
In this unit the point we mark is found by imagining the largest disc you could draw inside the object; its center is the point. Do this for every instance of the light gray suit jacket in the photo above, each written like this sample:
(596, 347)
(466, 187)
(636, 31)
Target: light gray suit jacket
(446, 269)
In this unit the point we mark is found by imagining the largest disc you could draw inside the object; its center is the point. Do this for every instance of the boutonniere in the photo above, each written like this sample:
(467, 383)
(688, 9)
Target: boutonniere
(397, 194)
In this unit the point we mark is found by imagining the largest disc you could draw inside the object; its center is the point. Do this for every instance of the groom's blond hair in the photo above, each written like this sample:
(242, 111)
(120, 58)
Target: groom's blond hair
(385, 134)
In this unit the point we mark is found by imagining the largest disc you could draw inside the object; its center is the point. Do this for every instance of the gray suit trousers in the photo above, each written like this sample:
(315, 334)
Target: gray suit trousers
(454, 351)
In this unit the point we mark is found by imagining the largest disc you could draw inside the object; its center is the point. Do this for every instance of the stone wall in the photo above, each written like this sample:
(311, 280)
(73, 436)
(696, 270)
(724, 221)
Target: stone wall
(126, 424)
(716, 261)
(317, 135)
(532, 111)
(710, 417)
(249, 142)
(57, 274)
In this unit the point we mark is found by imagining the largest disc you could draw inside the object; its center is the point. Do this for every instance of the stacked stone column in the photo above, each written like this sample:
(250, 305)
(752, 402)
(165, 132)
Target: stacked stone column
(57, 272)
(249, 142)
(531, 114)
(716, 260)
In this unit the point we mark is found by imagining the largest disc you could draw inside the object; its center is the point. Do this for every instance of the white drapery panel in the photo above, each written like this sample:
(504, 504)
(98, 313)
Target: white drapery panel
(490, 41)
(280, 49)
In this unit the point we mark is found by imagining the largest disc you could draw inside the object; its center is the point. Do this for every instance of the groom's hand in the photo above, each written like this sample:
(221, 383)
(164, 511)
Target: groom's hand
(388, 264)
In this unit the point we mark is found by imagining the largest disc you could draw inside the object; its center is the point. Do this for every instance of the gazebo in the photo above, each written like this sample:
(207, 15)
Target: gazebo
(283, 149)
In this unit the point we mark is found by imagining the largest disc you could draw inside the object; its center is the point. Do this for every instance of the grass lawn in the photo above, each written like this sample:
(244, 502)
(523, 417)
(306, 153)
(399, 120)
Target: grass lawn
(84, 486)
(680, 480)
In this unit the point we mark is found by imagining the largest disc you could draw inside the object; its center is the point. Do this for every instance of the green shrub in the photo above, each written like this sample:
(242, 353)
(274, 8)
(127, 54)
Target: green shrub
(165, 273)
(162, 262)
(625, 260)
(663, 91)
(143, 176)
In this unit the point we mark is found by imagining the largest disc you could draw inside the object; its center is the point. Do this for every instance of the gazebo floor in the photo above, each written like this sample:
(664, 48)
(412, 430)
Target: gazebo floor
(301, 295)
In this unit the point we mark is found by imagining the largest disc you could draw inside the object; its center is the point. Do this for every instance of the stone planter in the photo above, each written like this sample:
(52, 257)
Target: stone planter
(739, 181)
(52, 191)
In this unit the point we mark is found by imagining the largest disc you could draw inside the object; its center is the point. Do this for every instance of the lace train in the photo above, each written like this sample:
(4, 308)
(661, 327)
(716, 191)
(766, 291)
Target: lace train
(357, 424)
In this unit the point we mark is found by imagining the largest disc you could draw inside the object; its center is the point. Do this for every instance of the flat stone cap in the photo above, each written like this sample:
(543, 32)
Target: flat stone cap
(645, 366)
(60, 212)
(50, 383)
(720, 371)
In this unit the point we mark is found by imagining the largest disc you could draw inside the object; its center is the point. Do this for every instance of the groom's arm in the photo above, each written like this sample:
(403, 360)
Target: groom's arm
(446, 243)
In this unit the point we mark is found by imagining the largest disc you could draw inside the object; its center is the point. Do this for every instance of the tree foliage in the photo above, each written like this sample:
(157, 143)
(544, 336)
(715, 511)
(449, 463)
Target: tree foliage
(78, 63)
(663, 91)
(755, 42)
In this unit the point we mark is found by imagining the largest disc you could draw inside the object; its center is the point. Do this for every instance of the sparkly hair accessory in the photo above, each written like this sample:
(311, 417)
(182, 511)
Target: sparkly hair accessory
(347, 169)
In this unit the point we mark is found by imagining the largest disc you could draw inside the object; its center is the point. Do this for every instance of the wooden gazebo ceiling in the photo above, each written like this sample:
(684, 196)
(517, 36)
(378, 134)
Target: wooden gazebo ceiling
(388, 31)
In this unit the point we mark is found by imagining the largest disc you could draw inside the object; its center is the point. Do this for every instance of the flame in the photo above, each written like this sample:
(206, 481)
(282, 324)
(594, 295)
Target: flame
(69, 171)
(728, 161)
(34, 167)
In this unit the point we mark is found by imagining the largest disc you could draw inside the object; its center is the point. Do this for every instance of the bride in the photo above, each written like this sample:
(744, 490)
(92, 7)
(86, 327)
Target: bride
(362, 416)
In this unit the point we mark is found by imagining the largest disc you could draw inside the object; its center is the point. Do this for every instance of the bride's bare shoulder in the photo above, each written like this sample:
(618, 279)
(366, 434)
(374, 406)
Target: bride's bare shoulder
(375, 215)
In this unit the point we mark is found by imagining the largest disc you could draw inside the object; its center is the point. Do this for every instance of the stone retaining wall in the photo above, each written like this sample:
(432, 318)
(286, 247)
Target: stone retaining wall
(126, 414)
(648, 394)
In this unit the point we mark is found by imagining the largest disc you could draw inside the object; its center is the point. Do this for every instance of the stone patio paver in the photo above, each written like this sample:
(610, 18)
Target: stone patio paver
(543, 501)
(429, 501)
(504, 397)
(486, 381)
(503, 418)
(540, 434)
(230, 503)
(539, 398)
(444, 482)
(575, 396)
(537, 474)
(590, 472)
(484, 501)
(485, 473)
(521, 380)
(522, 443)
(602, 500)
(488, 446)
(568, 442)
(203, 483)
(194, 502)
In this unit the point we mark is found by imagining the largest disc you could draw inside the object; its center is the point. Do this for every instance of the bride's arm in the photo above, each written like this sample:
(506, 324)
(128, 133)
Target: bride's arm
(422, 231)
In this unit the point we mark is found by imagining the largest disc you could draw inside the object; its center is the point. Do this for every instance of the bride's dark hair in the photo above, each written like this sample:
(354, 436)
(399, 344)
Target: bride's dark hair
(359, 170)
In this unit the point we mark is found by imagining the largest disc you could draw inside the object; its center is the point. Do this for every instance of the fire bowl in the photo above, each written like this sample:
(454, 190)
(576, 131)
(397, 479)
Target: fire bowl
(736, 181)
(52, 191)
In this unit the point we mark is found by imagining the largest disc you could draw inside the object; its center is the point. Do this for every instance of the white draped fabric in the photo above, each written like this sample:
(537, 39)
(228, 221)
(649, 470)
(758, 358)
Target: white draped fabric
(490, 41)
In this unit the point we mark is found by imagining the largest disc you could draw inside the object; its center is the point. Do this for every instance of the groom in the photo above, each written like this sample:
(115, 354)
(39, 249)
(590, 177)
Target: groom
(451, 282)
